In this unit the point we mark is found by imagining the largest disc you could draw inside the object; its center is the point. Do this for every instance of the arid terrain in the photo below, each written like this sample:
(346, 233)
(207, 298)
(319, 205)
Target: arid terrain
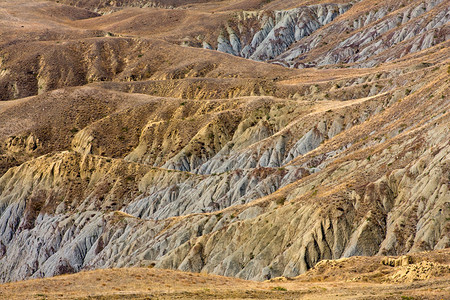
(224, 149)
(423, 276)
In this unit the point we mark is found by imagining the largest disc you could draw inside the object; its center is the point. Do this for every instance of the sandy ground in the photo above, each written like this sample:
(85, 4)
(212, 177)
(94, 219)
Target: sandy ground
(354, 278)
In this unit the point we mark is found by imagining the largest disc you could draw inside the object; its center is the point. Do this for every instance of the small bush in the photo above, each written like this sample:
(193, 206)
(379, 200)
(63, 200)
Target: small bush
(279, 288)
(280, 201)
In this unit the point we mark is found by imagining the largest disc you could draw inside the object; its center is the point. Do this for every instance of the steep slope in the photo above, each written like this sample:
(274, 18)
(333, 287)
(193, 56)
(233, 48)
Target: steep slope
(384, 33)
(278, 30)
(46, 66)
(124, 148)
(334, 215)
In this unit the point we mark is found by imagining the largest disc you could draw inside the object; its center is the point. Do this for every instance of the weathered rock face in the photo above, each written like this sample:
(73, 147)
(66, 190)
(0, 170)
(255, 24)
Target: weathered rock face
(418, 27)
(261, 241)
(278, 30)
(379, 34)
(224, 165)
(362, 200)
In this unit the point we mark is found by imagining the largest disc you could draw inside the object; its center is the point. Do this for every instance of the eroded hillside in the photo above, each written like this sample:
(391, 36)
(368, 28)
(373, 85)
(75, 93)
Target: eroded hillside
(321, 133)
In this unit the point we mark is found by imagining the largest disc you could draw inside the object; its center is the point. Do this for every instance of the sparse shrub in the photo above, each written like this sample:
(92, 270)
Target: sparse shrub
(279, 289)
(280, 201)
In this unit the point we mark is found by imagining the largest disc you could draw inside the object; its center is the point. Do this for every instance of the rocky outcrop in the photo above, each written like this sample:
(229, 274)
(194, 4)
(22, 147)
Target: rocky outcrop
(278, 30)
(395, 262)
(420, 271)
